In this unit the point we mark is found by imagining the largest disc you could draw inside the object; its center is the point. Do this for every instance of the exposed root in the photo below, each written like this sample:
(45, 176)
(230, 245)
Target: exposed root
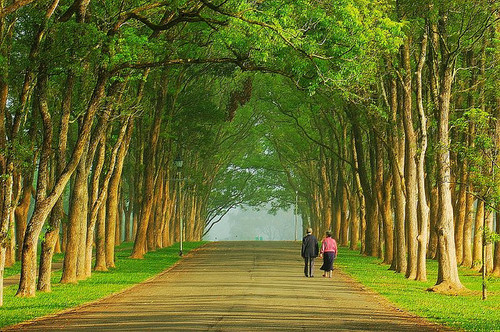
(449, 288)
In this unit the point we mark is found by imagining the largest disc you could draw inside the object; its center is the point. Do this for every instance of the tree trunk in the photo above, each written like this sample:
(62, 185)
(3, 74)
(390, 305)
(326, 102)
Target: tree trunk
(344, 226)
(112, 199)
(118, 222)
(397, 169)
(411, 215)
(28, 267)
(423, 208)
(158, 212)
(21, 213)
(76, 220)
(128, 211)
(10, 254)
(469, 217)
(361, 200)
(448, 279)
(354, 219)
(44, 207)
(383, 189)
(140, 244)
(95, 203)
(387, 214)
(2, 268)
(488, 219)
(496, 258)
(461, 206)
(434, 213)
(100, 259)
(478, 236)
(51, 238)
(371, 234)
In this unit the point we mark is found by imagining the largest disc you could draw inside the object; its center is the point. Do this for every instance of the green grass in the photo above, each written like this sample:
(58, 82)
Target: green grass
(12, 270)
(466, 312)
(16, 268)
(127, 273)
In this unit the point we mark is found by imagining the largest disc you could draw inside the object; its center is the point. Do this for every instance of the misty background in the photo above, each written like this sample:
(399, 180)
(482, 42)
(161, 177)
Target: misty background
(250, 224)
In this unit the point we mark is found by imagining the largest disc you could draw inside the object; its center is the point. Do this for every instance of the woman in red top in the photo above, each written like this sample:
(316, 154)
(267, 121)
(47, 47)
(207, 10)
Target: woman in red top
(328, 252)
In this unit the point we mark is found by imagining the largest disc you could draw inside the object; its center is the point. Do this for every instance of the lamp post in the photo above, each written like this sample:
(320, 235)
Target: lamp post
(178, 164)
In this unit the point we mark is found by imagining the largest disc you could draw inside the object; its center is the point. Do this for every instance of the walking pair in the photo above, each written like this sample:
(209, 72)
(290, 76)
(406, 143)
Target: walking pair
(310, 251)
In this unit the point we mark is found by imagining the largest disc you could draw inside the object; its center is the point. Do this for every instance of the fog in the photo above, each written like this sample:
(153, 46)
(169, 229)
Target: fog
(250, 224)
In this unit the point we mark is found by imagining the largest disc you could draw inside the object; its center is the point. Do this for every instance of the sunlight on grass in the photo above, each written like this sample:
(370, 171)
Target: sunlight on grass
(128, 272)
(467, 312)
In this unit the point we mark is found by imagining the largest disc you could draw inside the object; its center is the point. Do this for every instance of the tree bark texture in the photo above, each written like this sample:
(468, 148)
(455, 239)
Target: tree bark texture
(448, 279)
(411, 215)
(140, 244)
(43, 207)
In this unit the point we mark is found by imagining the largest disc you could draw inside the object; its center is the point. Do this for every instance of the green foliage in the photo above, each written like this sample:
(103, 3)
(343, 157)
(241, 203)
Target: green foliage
(464, 312)
(481, 155)
(127, 273)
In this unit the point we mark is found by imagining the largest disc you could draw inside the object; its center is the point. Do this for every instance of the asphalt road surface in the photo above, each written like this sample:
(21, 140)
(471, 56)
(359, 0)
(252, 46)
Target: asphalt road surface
(239, 286)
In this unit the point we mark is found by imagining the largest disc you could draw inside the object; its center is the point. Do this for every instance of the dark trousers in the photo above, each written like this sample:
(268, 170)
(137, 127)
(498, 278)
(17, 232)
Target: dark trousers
(309, 266)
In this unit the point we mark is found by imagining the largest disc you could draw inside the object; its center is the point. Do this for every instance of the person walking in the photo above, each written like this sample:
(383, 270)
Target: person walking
(328, 252)
(309, 252)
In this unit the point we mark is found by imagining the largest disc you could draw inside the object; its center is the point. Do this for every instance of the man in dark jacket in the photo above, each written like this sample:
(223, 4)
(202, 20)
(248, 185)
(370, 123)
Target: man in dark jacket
(310, 251)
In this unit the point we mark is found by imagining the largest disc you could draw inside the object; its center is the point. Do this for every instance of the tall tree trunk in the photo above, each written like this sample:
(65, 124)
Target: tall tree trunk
(128, 211)
(488, 220)
(21, 213)
(10, 254)
(44, 205)
(397, 169)
(353, 218)
(469, 198)
(52, 234)
(100, 197)
(344, 226)
(461, 206)
(28, 266)
(2, 265)
(469, 221)
(95, 203)
(112, 199)
(448, 279)
(5, 171)
(371, 234)
(100, 259)
(361, 199)
(496, 256)
(5, 205)
(118, 222)
(434, 213)
(411, 214)
(77, 219)
(383, 186)
(140, 244)
(478, 236)
(423, 208)
(496, 34)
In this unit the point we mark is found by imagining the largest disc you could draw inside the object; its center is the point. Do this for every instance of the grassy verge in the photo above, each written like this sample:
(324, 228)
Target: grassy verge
(127, 273)
(16, 268)
(467, 312)
(12, 270)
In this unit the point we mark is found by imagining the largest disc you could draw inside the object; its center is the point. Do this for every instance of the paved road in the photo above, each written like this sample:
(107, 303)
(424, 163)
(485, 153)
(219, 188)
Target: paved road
(239, 286)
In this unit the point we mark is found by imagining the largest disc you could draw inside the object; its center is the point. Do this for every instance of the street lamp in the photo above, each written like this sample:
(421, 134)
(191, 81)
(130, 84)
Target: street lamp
(178, 163)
